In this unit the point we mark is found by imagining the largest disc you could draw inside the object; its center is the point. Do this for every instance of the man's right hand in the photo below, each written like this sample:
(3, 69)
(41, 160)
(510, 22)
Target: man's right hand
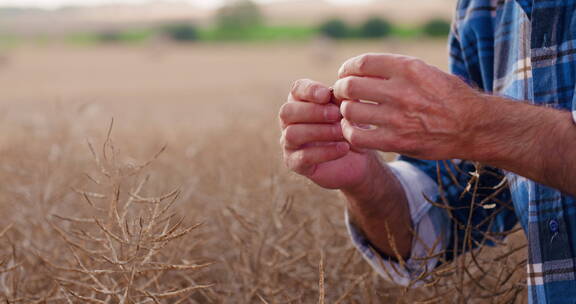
(313, 142)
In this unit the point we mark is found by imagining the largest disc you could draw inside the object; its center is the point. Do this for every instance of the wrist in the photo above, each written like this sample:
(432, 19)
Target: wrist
(535, 142)
(496, 130)
(476, 143)
(367, 199)
(367, 189)
(511, 134)
(379, 209)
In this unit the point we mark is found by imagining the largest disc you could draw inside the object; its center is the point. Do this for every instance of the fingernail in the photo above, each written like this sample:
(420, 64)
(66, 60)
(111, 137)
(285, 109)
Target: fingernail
(342, 147)
(321, 94)
(364, 126)
(332, 114)
(343, 105)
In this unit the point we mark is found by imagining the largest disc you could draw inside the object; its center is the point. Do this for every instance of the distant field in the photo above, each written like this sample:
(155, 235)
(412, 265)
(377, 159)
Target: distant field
(279, 13)
(247, 78)
(214, 107)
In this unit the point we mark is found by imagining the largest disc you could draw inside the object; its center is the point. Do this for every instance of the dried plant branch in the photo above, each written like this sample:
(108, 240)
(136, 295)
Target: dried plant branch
(321, 283)
(175, 293)
(6, 229)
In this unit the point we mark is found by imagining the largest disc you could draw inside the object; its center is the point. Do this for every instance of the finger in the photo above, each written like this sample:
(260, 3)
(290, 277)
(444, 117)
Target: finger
(295, 136)
(361, 138)
(382, 139)
(305, 112)
(367, 114)
(368, 88)
(375, 65)
(310, 91)
(305, 161)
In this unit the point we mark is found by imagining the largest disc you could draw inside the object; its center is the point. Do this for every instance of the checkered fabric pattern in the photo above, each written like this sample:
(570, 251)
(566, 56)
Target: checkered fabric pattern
(524, 50)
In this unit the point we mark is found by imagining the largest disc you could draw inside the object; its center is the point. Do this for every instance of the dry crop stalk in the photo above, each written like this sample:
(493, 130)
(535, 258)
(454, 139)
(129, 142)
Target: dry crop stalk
(470, 271)
(121, 253)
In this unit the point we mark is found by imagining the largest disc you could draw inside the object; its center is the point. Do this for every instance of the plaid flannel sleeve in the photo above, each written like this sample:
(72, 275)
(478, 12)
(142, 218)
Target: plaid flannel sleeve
(478, 212)
(440, 227)
(431, 227)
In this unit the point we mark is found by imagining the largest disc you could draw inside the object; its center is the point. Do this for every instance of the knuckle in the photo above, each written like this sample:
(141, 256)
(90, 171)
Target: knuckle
(415, 66)
(409, 96)
(312, 87)
(320, 113)
(311, 90)
(299, 85)
(421, 106)
(295, 85)
(363, 62)
(306, 89)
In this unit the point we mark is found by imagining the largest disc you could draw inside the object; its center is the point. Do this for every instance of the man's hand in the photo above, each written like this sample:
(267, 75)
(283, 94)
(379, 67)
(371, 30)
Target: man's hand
(314, 146)
(423, 112)
(416, 109)
(313, 142)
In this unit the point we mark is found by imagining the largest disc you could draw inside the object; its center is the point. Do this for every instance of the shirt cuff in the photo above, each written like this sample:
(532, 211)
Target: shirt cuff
(431, 225)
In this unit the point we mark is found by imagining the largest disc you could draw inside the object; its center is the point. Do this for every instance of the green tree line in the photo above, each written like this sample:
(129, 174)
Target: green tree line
(242, 20)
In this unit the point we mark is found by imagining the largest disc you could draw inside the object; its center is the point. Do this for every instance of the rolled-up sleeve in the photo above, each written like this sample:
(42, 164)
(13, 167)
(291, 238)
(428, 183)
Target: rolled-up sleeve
(431, 226)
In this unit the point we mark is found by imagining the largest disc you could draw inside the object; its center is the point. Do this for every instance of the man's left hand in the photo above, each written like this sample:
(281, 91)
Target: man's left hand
(415, 109)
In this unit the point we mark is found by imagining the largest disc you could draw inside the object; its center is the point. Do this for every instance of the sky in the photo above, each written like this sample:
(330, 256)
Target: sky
(50, 4)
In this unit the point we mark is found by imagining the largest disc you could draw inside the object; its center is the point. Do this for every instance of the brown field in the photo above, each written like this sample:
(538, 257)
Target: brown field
(97, 226)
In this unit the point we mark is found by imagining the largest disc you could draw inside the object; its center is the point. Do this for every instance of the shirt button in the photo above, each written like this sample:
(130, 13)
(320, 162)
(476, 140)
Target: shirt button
(553, 224)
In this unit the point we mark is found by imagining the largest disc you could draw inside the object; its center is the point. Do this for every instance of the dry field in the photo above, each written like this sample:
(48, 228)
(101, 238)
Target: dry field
(92, 218)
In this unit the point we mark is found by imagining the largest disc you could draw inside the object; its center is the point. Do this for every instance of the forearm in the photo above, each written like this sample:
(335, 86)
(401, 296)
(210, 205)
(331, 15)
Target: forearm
(536, 142)
(379, 208)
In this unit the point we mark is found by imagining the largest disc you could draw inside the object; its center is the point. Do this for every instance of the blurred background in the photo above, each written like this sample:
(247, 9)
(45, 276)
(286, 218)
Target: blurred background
(205, 79)
(149, 58)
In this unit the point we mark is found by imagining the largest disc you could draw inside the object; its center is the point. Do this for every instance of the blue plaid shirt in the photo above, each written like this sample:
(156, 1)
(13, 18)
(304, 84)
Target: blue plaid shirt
(524, 50)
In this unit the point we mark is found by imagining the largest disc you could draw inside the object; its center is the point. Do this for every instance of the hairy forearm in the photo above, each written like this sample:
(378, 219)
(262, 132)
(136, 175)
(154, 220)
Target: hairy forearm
(379, 208)
(536, 142)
